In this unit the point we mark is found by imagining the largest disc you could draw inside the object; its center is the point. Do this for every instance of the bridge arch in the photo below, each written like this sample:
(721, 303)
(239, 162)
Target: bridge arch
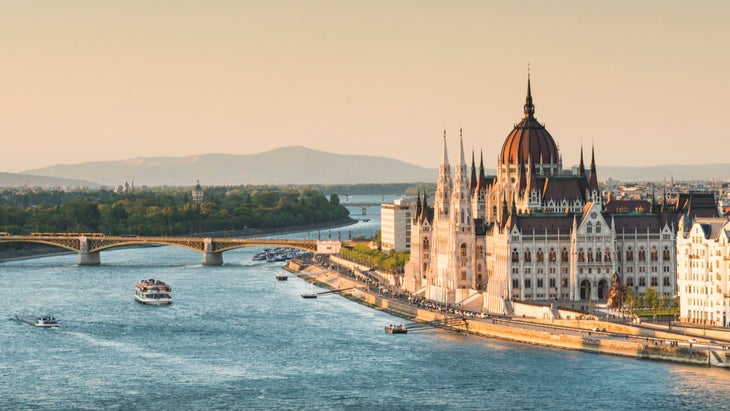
(89, 247)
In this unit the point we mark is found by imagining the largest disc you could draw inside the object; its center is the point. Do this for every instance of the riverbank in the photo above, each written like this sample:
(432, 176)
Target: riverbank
(31, 250)
(594, 336)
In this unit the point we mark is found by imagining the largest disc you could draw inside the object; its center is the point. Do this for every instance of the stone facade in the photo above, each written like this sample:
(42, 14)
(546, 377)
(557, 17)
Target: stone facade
(703, 271)
(536, 231)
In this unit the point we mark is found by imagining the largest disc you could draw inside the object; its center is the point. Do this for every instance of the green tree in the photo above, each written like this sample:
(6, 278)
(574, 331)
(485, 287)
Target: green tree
(630, 299)
(650, 298)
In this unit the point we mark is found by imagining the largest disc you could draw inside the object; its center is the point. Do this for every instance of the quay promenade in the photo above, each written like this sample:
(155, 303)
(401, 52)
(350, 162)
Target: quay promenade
(654, 342)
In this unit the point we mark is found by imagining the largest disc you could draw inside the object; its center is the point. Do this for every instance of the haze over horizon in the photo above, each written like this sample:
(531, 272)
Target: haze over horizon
(97, 81)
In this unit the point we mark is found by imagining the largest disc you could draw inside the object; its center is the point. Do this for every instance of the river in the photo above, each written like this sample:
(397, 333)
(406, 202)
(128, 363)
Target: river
(237, 339)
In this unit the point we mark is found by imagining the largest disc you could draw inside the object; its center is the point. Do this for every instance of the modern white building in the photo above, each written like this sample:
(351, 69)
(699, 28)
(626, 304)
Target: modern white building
(703, 271)
(395, 225)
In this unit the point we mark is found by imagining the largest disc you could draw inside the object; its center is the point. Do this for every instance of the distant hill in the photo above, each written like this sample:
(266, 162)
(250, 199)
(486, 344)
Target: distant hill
(12, 180)
(287, 165)
(299, 165)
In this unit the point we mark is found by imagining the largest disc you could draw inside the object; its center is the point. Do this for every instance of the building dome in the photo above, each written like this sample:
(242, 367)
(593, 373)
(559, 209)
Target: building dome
(529, 141)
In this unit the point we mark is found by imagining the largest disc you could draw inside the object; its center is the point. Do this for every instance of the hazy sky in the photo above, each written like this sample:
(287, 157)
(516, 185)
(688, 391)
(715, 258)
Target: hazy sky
(645, 81)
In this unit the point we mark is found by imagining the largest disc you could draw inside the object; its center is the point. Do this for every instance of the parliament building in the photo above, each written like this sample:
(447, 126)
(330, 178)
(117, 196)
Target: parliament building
(538, 232)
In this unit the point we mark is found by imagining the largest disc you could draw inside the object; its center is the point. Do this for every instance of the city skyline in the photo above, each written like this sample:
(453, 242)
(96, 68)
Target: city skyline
(116, 80)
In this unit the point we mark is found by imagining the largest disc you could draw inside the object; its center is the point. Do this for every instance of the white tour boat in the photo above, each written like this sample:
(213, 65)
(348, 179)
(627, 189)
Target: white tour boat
(153, 292)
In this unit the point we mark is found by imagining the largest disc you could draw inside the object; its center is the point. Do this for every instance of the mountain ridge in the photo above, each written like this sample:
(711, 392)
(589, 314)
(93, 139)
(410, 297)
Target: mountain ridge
(299, 165)
(285, 165)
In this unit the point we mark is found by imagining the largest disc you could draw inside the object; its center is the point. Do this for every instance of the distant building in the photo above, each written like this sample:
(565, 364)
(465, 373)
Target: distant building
(395, 225)
(124, 188)
(197, 193)
(703, 271)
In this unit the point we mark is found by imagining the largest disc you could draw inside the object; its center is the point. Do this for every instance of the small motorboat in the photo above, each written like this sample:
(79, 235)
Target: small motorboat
(281, 277)
(310, 294)
(44, 321)
(396, 329)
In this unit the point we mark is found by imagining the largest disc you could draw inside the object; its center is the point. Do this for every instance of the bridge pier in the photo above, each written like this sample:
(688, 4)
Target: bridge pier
(210, 257)
(87, 257)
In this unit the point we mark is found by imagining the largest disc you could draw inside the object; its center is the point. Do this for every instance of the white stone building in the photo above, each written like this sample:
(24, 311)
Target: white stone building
(703, 271)
(538, 232)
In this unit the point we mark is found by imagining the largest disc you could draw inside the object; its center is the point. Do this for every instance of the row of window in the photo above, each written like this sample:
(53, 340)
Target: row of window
(540, 282)
(589, 255)
(654, 282)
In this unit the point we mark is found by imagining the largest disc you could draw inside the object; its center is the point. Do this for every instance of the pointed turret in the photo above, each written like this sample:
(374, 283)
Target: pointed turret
(505, 211)
(531, 178)
(529, 107)
(581, 167)
(445, 158)
(424, 210)
(444, 184)
(523, 179)
(593, 183)
(473, 180)
(417, 214)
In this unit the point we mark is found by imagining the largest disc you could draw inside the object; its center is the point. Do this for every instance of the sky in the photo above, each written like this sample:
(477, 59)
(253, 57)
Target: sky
(645, 82)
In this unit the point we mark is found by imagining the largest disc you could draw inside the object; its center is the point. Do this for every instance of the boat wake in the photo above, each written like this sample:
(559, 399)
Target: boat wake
(191, 367)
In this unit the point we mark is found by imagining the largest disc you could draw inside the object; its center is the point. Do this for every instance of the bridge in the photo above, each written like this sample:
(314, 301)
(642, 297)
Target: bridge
(90, 245)
(362, 205)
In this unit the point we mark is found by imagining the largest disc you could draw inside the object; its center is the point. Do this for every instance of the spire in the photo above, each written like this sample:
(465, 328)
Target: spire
(445, 160)
(473, 182)
(418, 205)
(581, 167)
(505, 212)
(532, 181)
(529, 107)
(481, 164)
(424, 209)
(462, 162)
(593, 184)
(523, 179)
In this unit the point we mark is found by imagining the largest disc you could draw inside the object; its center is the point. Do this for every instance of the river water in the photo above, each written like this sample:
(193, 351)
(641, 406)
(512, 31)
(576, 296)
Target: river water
(237, 339)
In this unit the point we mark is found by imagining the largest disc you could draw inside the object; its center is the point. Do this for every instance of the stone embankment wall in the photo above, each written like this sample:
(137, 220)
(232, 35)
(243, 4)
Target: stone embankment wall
(497, 327)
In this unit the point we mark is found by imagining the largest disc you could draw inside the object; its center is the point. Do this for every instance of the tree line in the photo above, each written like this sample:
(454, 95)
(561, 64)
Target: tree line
(169, 211)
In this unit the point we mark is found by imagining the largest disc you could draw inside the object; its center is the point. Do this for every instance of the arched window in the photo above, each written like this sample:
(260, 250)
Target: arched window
(590, 255)
(589, 228)
(665, 254)
(598, 228)
(581, 255)
(564, 256)
(598, 255)
(528, 256)
(425, 243)
(463, 250)
(654, 254)
(552, 256)
(540, 255)
(629, 254)
(515, 256)
(642, 254)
